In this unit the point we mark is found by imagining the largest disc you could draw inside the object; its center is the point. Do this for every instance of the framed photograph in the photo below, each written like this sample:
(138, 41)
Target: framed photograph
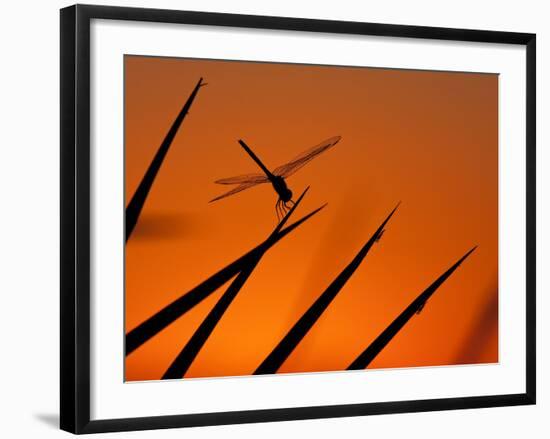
(268, 218)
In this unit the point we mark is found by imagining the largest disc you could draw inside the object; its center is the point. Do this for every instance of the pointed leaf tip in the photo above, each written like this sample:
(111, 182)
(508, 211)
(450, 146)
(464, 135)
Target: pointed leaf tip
(469, 252)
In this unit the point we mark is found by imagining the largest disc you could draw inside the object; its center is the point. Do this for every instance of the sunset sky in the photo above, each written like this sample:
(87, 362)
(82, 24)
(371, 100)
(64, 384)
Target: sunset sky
(427, 139)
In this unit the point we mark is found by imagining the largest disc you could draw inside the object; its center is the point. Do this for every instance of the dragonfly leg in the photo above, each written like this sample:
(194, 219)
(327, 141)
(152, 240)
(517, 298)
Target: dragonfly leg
(277, 210)
(285, 209)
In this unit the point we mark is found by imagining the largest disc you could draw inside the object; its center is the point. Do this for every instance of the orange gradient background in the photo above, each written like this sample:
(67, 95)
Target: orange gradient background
(427, 139)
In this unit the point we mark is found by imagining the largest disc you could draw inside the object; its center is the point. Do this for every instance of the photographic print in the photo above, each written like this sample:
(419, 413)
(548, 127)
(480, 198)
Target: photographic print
(293, 218)
(269, 219)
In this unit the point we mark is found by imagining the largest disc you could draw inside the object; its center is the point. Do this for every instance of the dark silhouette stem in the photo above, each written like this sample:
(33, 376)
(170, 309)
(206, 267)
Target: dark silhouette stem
(160, 320)
(187, 355)
(285, 347)
(370, 353)
(135, 205)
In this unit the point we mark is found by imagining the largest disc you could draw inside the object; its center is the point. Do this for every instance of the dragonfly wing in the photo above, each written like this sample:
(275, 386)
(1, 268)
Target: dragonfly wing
(238, 189)
(242, 179)
(305, 157)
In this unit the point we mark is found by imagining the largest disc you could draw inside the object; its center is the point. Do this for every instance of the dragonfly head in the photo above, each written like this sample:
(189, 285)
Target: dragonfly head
(286, 195)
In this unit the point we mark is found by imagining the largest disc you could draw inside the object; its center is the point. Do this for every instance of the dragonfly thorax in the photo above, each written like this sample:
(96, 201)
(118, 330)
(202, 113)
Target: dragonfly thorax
(279, 184)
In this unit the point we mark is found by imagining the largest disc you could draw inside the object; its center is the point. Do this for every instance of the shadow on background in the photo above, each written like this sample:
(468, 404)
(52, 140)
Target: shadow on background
(483, 333)
(162, 226)
(49, 419)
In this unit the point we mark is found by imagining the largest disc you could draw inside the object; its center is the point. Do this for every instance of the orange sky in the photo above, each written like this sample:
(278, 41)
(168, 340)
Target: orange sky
(429, 139)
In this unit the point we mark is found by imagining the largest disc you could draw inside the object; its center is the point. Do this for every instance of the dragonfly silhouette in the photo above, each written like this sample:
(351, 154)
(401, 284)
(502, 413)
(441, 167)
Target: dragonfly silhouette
(277, 176)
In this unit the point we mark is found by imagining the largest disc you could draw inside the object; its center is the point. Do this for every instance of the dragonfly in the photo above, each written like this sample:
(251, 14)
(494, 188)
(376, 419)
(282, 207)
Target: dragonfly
(277, 176)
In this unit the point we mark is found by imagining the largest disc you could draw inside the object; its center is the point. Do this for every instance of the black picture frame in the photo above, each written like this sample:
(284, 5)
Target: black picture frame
(75, 217)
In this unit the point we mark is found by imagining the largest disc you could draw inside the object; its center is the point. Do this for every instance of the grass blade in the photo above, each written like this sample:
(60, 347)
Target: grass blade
(369, 354)
(137, 202)
(187, 355)
(285, 347)
(171, 312)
